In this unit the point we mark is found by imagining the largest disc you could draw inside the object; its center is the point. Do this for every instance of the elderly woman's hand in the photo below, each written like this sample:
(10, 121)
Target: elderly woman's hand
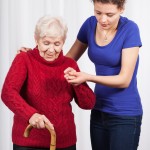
(23, 49)
(74, 77)
(70, 73)
(39, 121)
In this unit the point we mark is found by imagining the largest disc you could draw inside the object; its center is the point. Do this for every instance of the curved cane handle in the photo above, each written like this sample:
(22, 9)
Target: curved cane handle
(52, 133)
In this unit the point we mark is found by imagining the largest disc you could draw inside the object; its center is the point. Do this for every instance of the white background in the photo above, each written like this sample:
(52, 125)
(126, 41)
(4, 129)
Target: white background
(17, 22)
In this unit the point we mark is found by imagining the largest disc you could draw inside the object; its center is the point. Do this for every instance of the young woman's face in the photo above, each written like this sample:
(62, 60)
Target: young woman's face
(50, 47)
(107, 15)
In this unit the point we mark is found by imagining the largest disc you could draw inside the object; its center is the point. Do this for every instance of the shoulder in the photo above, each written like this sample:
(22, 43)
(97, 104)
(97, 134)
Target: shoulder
(87, 29)
(91, 20)
(130, 33)
(23, 57)
(70, 60)
(127, 24)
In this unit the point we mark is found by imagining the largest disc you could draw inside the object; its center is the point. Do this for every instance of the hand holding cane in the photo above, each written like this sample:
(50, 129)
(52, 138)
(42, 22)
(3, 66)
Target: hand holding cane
(52, 133)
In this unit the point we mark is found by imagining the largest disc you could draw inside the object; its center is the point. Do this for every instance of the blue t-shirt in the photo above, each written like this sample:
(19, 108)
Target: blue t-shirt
(107, 60)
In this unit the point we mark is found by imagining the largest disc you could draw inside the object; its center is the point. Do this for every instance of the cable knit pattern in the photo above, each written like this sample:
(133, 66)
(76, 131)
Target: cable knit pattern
(35, 85)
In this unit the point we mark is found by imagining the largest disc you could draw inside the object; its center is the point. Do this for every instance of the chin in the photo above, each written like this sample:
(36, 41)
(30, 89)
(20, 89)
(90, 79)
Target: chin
(50, 59)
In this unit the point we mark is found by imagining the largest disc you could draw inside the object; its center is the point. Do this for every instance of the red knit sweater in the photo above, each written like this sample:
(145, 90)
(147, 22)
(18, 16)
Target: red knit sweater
(35, 85)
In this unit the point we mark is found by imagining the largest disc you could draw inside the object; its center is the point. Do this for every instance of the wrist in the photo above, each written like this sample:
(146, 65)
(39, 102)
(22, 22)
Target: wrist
(89, 77)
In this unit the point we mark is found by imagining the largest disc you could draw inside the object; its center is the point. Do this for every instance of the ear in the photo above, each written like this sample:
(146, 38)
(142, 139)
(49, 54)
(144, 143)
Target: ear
(122, 10)
(35, 38)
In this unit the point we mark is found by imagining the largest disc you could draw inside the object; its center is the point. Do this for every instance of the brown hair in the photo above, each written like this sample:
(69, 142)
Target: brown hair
(119, 3)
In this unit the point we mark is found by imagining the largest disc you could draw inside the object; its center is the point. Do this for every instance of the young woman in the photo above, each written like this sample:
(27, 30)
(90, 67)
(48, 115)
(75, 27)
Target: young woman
(113, 43)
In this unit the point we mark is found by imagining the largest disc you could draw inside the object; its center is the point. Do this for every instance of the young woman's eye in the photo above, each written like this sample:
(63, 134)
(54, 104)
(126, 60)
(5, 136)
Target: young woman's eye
(98, 13)
(110, 15)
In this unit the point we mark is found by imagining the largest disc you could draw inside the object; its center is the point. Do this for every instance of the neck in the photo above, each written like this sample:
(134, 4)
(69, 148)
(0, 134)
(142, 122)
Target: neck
(106, 34)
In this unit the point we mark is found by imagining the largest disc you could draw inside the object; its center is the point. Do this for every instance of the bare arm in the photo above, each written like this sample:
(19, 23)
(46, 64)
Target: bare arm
(77, 49)
(122, 80)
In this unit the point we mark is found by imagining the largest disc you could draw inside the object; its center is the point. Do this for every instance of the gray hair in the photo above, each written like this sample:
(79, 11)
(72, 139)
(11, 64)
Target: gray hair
(51, 27)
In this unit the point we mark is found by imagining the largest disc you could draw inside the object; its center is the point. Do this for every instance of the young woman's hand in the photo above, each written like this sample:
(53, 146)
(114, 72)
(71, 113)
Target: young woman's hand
(39, 121)
(23, 49)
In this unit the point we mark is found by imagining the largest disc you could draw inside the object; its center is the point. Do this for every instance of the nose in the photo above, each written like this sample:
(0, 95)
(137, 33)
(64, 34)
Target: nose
(51, 48)
(103, 18)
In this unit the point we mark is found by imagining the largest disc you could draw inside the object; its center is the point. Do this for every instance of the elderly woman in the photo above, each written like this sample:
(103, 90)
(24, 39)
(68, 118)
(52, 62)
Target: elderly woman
(36, 91)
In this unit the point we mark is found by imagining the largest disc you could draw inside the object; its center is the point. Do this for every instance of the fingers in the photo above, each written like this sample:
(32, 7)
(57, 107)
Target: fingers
(69, 77)
(70, 73)
(69, 70)
(23, 49)
(73, 77)
(73, 83)
(36, 121)
(39, 121)
(76, 78)
(46, 121)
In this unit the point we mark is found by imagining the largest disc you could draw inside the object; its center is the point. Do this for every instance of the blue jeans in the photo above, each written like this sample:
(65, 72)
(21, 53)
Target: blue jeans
(110, 132)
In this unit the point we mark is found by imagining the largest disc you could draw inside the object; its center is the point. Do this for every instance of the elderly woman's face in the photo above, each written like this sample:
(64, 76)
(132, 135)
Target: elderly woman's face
(50, 47)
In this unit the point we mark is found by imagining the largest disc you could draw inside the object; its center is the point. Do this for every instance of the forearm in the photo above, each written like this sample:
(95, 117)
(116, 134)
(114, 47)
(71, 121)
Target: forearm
(77, 49)
(116, 81)
(122, 80)
(17, 104)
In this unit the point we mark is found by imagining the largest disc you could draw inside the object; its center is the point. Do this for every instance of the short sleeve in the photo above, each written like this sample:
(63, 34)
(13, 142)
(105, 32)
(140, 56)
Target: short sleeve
(83, 32)
(132, 38)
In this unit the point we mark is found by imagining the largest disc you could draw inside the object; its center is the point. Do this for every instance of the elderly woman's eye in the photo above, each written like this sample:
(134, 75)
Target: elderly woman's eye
(57, 44)
(46, 43)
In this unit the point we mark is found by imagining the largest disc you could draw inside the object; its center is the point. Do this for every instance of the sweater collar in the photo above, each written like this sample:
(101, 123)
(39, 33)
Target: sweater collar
(56, 62)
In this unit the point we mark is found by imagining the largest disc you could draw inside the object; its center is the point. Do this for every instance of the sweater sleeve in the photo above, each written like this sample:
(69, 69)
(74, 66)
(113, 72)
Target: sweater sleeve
(84, 96)
(13, 83)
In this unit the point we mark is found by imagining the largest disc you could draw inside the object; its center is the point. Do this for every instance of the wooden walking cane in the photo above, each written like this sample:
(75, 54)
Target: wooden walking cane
(52, 133)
